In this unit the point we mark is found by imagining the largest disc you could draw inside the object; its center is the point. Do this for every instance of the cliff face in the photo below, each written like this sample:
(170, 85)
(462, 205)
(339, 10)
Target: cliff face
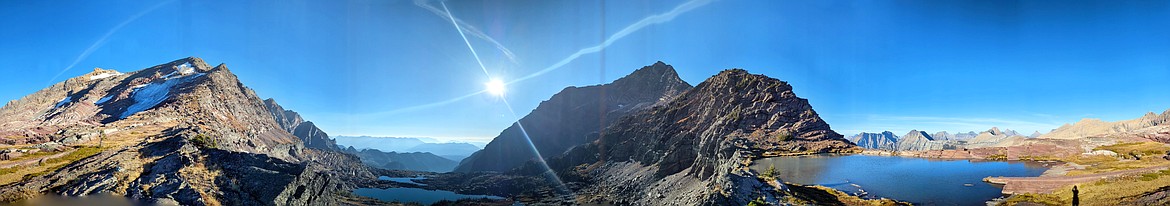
(181, 132)
(918, 140)
(883, 141)
(570, 116)
(691, 150)
(306, 131)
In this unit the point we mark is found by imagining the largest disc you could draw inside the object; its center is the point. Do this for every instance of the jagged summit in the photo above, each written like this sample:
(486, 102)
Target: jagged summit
(885, 140)
(917, 134)
(658, 72)
(995, 131)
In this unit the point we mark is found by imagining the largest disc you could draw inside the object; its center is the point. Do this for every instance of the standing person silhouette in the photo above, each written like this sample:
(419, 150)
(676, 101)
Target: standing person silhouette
(1076, 199)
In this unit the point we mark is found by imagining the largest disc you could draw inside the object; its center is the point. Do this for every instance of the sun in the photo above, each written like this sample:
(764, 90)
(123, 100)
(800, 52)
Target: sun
(495, 87)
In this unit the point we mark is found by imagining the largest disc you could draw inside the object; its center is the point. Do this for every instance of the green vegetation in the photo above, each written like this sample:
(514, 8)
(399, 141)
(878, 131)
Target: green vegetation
(204, 141)
(758, 202)
(770, 173)
(783, 136)
(997, 157)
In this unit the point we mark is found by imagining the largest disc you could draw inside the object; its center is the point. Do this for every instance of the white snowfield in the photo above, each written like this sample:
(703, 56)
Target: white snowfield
(149, 95)
(104, 75)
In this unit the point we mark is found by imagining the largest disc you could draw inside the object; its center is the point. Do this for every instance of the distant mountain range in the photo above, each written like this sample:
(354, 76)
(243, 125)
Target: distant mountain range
(416, 161)
(920, 140)
(1150, 122)
(454, 151)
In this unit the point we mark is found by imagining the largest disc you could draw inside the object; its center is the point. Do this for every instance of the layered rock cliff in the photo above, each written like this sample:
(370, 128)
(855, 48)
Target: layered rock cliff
(919, 140)
(883, 141)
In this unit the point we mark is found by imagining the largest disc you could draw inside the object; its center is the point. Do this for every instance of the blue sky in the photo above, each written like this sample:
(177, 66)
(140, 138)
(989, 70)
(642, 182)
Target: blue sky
(365, 67)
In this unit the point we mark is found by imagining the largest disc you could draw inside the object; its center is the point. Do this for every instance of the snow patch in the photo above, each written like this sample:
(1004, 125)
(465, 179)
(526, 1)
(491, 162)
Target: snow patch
(181, 70)
(104, 75)
(63, 101)
(186, 68)
(103, 100)
(150, 95)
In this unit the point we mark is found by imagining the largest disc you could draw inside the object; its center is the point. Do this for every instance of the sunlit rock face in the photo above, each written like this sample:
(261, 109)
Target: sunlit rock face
(1148, 123)
(573, 116)
(882, 141)
(918, 140)
(180, 132)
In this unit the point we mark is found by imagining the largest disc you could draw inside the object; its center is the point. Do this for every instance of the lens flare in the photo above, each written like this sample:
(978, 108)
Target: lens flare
(495, 87)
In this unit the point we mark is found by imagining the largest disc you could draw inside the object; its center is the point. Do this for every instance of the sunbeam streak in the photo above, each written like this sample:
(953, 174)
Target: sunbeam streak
(548, 170)
(473, 53)
(496, 87)
(467, 28)
(649, 20)
(97, 44)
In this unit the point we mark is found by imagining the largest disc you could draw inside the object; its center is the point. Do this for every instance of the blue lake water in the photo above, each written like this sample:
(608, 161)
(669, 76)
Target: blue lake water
(916, 180)
(408, 180)
(422, 196)
(406, 195)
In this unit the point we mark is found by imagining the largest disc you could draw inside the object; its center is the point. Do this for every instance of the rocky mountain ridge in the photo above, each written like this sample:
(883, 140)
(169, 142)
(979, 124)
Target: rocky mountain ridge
(181, 132)
(676, 152)
(921, 141)
(885, 140)
(1148, 123)
(413, 161)
(451, 150)
(569, 117)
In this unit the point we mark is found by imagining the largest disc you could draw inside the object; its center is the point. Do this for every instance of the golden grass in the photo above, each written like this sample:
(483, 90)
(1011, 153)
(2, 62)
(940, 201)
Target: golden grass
(80, 153)
(1139, 148)
(200, 177)
(25, 158)
(19, 173)
(1104, 192)
(1099, 163)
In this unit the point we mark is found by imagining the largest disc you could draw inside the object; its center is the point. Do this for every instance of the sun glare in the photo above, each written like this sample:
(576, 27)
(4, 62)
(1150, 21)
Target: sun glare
(495, 87)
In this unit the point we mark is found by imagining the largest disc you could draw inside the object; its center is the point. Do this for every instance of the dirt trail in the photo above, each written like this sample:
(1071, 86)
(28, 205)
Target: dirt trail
(35, 160)
(1019, 185)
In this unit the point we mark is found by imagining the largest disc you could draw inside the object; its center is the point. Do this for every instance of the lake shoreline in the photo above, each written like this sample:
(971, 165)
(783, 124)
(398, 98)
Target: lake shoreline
(874, 172)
